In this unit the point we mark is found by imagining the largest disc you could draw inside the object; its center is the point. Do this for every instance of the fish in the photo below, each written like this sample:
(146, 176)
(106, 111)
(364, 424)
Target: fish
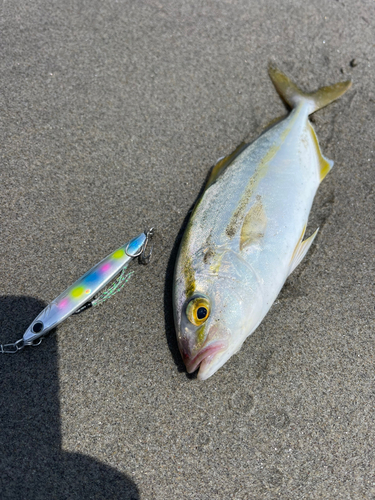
(245, 235)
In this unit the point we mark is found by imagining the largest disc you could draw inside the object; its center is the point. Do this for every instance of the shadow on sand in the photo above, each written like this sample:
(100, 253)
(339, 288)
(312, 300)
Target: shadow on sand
(32, 464)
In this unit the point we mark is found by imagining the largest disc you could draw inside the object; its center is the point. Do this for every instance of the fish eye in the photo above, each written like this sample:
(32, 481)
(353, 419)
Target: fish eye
(198, 310)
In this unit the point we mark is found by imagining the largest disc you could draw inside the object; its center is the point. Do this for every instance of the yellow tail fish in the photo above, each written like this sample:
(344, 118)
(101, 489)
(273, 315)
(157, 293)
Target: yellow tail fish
(245, 235)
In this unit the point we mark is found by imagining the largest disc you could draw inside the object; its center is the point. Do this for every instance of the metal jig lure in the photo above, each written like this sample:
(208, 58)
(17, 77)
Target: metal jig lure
(80, 295)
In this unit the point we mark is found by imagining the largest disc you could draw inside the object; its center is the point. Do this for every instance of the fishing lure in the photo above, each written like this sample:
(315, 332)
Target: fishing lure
(82, 294)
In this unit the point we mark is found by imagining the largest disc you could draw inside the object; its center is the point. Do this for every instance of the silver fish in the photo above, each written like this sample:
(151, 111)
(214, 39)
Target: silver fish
(245, 235)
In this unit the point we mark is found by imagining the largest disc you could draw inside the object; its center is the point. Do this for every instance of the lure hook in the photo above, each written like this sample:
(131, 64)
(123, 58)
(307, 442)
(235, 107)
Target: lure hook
(143, 258)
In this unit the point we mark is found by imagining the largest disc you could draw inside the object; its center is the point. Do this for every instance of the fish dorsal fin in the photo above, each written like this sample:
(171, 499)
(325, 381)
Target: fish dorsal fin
(301, 250)
(293, 95)
(254, 225)
(325, 164)
(223, 163)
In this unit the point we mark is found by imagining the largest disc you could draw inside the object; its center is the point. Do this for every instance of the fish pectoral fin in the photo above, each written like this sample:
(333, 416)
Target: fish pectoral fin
(223, 163)
(254, 225)
(300, 251)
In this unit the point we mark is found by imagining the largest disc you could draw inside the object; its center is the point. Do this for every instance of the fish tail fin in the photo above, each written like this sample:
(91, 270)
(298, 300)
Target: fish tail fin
(293, 95)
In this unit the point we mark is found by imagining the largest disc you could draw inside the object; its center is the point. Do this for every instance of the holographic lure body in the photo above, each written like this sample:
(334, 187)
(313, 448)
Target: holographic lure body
(82, 291)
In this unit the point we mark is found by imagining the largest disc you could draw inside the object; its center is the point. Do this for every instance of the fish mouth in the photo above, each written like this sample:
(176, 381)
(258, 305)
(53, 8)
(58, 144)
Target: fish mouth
(204, 356)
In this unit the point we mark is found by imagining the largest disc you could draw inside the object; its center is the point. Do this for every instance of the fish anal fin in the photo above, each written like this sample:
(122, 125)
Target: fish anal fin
(254, 225)
(223, 163)
(325, 164)
(293, 95)
(301, 250)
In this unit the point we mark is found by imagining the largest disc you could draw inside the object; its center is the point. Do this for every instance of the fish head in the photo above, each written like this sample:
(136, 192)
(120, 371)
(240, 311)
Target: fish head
(214, 320)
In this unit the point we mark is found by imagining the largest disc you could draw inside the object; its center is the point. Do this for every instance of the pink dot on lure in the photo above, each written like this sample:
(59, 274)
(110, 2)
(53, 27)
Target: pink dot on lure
(105, 267)
(63, 303)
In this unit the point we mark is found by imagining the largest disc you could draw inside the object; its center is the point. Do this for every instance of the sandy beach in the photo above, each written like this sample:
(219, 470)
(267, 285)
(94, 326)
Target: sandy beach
(112, 114)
